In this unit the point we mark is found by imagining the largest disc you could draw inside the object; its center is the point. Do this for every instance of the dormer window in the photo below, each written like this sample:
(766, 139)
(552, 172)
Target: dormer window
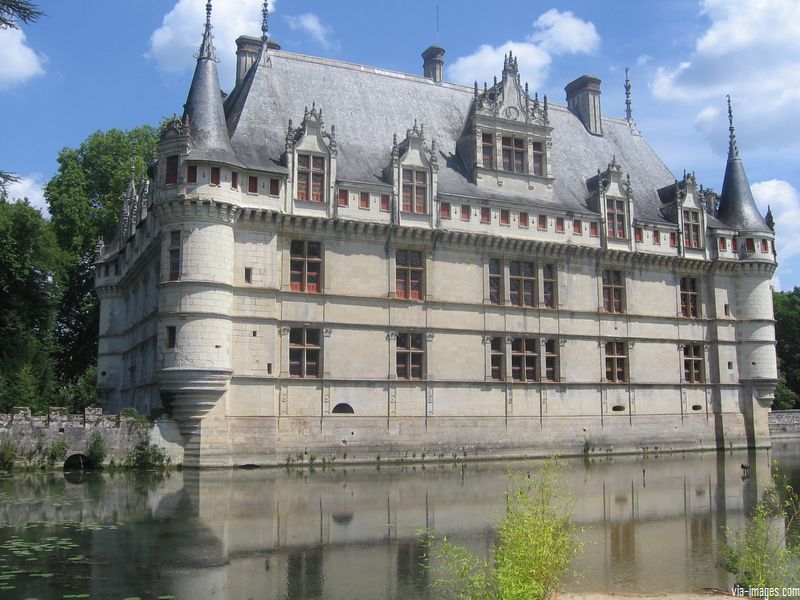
(310, 178)
(615, 218)
(488, 151)
(691, 228)
(537, 152)
(415, 191)
(513, 154)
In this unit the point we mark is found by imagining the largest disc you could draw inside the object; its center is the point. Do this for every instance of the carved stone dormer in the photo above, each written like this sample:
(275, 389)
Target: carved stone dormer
(507, 139)
(310, 155)
(686, 206)
(612, 195)
(413, 172)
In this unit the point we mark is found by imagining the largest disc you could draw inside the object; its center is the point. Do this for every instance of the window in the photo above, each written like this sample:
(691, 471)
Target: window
(550, 360)
(444, 210)
(615, 218)
(310, 178)
(363, 200)
(386, 203)
(524, 352)
(495, 281)
(214, 175)
(191, 174)
(505, 217)
(248, 274)
(513, 154)
(488, 150)
(415, 191)
(690, 305)
(616, 362)
(542, 222)
(723, 244)
(252, 184)
(234, 180)
(613, 291)
(174, 255)
(673, 239)
(410, 355)
(765, 245)
(691, 229)
(522, 283)
(577, 227)
(693, 363)
(735, 245)
(171, 172)
(638, 234)
(523, 220)
(274, 186)
(498, 359)
(304, 352)
(409, 274)
(465, 211)
(305, 266)
(486, 214)
(172, 336)
(538, 158)
(549, 286)
(594, 229)
(343, 199)
(656, 237)
(560, 224)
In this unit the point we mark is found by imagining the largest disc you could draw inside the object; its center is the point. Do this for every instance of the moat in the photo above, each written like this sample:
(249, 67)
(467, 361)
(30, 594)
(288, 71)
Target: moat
(650, 524)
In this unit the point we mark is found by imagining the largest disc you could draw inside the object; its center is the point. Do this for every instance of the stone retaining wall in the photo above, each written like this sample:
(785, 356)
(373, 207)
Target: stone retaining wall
(784, 423)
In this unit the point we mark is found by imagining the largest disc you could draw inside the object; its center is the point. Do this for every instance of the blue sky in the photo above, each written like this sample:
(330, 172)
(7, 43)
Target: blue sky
(94, 64)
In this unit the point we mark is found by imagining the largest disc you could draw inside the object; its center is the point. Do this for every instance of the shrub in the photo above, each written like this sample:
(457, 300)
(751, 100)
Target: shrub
(96, 450)
(58, 451)
(145, 455)
(765, 554)
(139, 420)
(536, 541)
(7, 453)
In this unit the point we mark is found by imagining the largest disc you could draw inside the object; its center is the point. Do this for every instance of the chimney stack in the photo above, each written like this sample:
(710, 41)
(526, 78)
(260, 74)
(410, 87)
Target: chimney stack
(583, 100)
(248, 48)
(433, 63)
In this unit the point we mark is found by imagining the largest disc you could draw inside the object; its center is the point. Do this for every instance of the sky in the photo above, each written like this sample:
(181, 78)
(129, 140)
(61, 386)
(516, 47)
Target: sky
(94, 65)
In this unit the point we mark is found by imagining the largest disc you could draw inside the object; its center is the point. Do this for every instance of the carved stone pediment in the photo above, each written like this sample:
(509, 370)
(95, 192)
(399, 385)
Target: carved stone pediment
(507, 99)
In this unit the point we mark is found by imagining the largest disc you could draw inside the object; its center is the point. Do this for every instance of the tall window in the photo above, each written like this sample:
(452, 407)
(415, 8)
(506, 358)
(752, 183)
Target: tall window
(171, 172)
(310, 178)
(214, 175)
(274, 186)
(691, 229)
(343, 198)
(560, 224)
(616, 362)
(613, 291)
(538, 158)
(505, 217)
(415, 191)
(723, 244)
(513, 154)
(445, 210)
(234, 180)
(386, 203)
(524, 352)
(495, 281)
(465, 212)
(172, 336)
(549, 286)
(488, 150)
(252, 184)
(410, 355)
(615, 218)
(656, 237)
(593, 229)
(304, 352)
(550, 360)
(174, 255)
(409, 274)
(523, 219)
(363, 200)
(191, 174)
(305, 269)
(522, 283)
(690, 305)
(498, 358)
(486, 214)
(693, 363)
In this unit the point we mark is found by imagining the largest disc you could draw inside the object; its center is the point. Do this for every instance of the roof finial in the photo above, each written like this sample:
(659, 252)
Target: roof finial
(207, 45)
(208, 13)
(733, 150)
(628, 111)
(265, 21)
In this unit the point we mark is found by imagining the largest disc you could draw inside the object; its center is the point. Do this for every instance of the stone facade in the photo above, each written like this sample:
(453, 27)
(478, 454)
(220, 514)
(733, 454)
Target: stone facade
(512, 277)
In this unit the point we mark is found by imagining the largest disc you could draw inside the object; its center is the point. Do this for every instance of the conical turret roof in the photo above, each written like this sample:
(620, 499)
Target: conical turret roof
(203, 106)
(737, 208)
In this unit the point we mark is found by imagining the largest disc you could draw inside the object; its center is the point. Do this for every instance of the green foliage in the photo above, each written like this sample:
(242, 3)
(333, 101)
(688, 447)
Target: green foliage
(96, 450)
(536, 541)
(76, 395)
(785, 398)
(57, 452)
(139, 420)
(763, 554)
(787, 334)
(146, 456)
(7, 453)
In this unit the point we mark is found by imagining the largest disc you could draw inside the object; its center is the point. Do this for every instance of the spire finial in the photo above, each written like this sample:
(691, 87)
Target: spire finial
(628, 111)
(207, 45)
(733, 150)
(264, 21)
(208, 13)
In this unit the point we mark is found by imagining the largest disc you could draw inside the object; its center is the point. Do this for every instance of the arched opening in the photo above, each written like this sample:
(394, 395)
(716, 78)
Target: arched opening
(343, 408)
(76, 462)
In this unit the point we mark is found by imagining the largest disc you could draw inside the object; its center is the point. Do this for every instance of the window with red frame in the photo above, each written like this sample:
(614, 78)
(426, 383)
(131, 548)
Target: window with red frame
(560, 224)
(522, 283)
(690, 297)
(673, 239)
(638, 234)
(616, 362)
(656, 237)
(691, 229)
(524, 355)
(171, 171)
(750, 245)
(274, 186)
(615, 218)
(343, 198)
(234, 180)
(513, 154)
(415, 191)
(310, 178)
(723, 244)
(523, 219)
(613, 291)
(444, 210)
(305, 266)
(214, 175)
(465, 212)
(542, 222)
(577, 227)
(191, 174)
(410, 355)
(505, 217)
(594, 230)
(488, 150)
(410, 274)
(386, 203)
(363, 200)
(252, 184)
(765, 245)
(486, 214)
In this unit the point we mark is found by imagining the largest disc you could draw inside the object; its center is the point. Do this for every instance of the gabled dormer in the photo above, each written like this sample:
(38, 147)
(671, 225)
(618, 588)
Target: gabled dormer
(310, 156)
(413, 172)
(684, 204)
(507, 140)
(612, 197)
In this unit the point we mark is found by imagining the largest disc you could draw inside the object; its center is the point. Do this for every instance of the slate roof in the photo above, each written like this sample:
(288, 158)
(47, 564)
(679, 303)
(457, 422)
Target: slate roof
(737, 207)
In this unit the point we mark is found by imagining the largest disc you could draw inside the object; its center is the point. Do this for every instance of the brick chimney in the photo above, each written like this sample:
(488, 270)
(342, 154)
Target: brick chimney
(248, 48)
(433, 63)
(583, 100)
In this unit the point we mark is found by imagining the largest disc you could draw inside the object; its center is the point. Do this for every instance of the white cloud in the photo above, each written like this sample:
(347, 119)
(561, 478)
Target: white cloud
(175, 43)
(30, 187)
(643, 59)
(555, 33)
(784, 201)
(20, 63)
(310, 24)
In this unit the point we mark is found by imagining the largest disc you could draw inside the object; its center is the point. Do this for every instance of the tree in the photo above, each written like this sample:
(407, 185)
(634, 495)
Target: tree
(14, 11)
(787, 333)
